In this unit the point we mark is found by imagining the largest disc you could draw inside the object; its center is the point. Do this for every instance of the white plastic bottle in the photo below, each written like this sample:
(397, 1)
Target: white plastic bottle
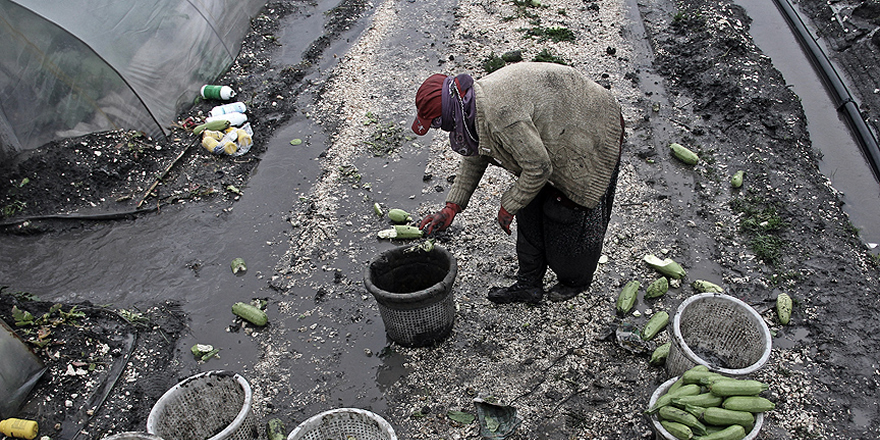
(228, 108)
(234, 118)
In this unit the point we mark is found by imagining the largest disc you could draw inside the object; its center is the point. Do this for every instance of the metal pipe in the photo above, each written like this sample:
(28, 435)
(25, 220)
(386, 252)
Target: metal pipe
(842, 97)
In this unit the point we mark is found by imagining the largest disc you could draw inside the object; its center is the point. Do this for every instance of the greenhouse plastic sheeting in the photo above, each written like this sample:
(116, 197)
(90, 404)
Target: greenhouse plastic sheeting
(73, 67)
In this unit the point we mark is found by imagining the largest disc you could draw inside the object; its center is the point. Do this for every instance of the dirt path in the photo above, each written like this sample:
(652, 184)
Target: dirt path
(706, 86)
(684, 72)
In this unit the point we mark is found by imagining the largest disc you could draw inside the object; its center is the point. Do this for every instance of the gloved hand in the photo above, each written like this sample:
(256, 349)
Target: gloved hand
(440, 220)
(505, 219)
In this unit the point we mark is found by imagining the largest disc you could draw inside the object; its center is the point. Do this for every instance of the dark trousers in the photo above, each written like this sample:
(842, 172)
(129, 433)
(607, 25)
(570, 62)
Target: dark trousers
(554, 232)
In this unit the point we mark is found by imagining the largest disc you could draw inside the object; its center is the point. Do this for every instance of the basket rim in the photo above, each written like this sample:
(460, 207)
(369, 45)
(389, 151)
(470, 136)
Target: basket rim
(428, 295)
(132, 434)
(229, 429)
(315, 419)
(680, 342)
(658, 428)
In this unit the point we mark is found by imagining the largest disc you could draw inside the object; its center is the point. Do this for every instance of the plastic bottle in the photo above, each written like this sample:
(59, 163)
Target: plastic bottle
(228, 108)
(19, 428)
(217, 92)
(234, 118)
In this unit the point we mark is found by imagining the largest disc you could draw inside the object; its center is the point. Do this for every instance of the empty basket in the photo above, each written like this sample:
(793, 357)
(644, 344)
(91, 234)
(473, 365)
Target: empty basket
(662, 433)
(344, 424)
(413, 288)
(215, 405)
(720, 332)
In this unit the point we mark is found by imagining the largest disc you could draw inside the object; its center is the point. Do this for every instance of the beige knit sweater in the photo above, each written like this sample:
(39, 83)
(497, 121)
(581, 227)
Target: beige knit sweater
(543, 122)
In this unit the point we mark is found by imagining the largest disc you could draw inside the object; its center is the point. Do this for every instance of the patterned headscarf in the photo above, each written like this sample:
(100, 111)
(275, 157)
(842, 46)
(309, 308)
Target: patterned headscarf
(459, 114)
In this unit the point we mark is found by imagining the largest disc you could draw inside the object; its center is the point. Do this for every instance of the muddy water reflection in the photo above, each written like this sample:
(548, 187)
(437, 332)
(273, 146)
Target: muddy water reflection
(843, 162)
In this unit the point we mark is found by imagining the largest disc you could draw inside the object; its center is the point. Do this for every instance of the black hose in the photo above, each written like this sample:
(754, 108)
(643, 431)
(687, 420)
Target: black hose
(843, 99)
(75, 216)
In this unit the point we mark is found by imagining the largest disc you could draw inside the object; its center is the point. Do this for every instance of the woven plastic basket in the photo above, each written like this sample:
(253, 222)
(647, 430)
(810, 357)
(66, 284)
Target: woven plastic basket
(720, 332)
(661, 433)
(214, 405)
(133, 435)
(413, 289)
(344, 424)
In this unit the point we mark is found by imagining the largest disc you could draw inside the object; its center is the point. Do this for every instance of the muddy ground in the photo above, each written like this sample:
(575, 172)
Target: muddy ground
(687, 73)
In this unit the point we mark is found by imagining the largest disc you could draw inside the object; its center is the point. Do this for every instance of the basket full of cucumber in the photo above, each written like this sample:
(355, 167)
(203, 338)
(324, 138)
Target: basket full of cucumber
(705, 405)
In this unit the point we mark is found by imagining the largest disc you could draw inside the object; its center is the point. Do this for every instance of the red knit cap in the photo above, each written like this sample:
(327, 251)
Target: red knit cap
(428, 103)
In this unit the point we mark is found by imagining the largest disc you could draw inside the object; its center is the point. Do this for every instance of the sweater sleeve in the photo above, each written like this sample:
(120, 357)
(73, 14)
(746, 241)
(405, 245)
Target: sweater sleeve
(470, 171)
(523, 142)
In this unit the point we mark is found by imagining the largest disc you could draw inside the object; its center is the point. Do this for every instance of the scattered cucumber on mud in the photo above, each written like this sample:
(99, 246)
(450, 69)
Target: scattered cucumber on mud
(627, 297)
(666, 266)
(275, 430)
(658, 357)
(399, 216)
(704, 286)
(655, 324)
(737, 180)
(401, 232)
(783, 308)
(250, 314)
(683, 154)
(658, 288)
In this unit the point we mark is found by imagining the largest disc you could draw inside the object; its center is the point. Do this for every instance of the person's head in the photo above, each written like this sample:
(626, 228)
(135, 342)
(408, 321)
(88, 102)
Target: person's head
(428, 104)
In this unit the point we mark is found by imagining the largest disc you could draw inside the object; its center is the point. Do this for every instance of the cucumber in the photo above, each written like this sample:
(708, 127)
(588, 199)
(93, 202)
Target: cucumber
(655, 324)
(250, 314)
(737, 180)
(275, 430)
(683, 154)
(737, 387)
(697, 376)
(753, 404)
(399, 216)
(627, 297)
(666, 399)
(658, 288)
(675, 386)
(401, 232)
(704, 286)
(704, 400)
(674, 414)
(658, 357)
(665, 266)
(732, 432)
(213, 125)
(678, 430)
(783, 308)
(722, 417)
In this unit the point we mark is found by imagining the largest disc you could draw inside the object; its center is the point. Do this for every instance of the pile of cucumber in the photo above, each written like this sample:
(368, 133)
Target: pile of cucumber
(705, 405)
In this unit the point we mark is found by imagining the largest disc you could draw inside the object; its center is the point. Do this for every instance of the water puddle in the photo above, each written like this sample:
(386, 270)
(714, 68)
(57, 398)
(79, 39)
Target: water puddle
(790, 338)
(681, 185)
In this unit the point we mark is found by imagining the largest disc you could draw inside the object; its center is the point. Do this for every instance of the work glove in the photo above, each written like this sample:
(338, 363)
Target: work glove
(440, 220)
(505, 219)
